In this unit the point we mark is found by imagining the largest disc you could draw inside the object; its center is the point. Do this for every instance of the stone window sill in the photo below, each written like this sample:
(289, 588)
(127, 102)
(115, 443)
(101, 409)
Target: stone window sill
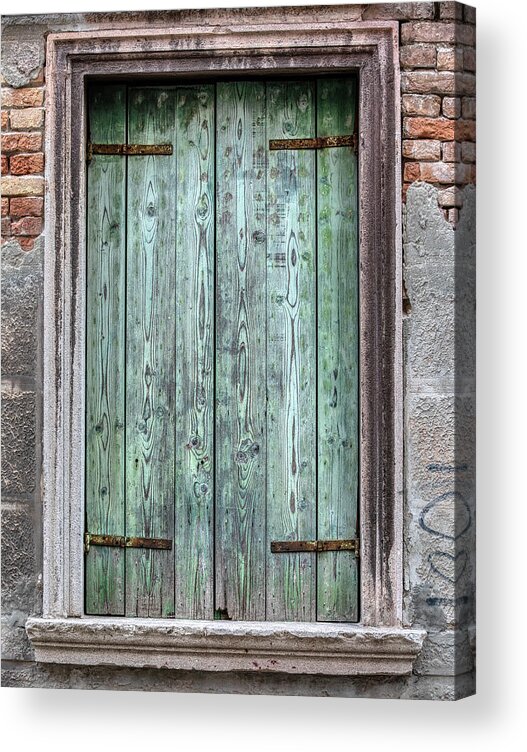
(287, 647)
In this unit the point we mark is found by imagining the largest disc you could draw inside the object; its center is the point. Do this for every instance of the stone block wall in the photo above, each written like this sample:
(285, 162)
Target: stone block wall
(437, 60)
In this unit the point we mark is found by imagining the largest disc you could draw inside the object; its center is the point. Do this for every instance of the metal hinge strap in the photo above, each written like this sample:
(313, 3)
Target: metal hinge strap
(284, 547)
(321, 142)
(129, 150)
(121, 541)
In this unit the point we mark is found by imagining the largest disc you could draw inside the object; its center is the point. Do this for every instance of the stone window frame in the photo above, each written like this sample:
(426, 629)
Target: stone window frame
(378, 644)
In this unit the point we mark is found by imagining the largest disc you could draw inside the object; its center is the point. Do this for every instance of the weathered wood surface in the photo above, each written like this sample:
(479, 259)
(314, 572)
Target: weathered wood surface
(150, 355)
(240, 356)
(105, 338)
(291, 352)
(239, 347)
(195, 217)
(337, 310)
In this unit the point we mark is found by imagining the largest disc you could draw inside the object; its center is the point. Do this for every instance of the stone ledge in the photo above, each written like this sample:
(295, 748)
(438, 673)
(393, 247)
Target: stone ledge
(286, 647)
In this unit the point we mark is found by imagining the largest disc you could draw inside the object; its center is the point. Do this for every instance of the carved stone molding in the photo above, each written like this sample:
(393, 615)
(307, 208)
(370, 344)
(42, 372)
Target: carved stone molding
(305, 46)
(283, 647)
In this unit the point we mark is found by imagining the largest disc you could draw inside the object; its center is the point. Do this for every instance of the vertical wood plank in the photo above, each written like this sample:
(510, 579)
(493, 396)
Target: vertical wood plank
(194, 535)
(150, 356)
(337, 310)
(240, 360)
(291, 352)
(106, 233)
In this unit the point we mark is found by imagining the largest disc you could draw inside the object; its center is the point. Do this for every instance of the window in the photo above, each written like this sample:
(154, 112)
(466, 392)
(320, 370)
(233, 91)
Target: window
(222, 350)
(378, 643)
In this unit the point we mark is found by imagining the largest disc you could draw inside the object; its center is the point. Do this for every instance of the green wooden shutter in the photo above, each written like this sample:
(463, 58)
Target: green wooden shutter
(240, 354)
(194, 351)
(105, 355)
(222, 351)
(291, 351)
(338, 356)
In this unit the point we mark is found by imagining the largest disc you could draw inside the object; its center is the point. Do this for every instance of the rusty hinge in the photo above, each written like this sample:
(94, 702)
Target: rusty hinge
(321, 142)
(121, 541)
(285, 547)
(129, 150)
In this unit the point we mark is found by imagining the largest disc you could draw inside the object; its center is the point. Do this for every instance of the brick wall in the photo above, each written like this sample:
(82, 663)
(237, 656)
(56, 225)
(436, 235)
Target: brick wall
(438, 89)
(23, 114)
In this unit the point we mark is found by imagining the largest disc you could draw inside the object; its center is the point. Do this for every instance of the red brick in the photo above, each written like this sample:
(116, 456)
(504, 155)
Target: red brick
(468, 151)
(428, 82)
(39, 78)
(6, 228)
(451, 151)
(429, 128)
(465, 84)
(26, 242)
(5, 120)
(469, 14)
(453, 216)
(439, 172)
(422, 150)
(450, 11)
(469, 59)
(465, 130)
(450, 197)
(438, 82)
(437, 31)
(468, 108)
(449, 58)
(22, 97)
(452, 107)
(27, 226)
(27, 207)
(21, 142)
(411, 172)
(418, 56)
(5, 207)
(421, 104)
(4, 166)
(441, 129)
(27, 119)
(27, 164)
(15, 185)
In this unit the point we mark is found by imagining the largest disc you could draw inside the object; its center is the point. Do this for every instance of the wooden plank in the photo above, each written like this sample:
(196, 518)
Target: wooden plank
(195, 217)
(105, 299)
(240, 360)
(291, 352)
(337, 310)
(150, 356)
